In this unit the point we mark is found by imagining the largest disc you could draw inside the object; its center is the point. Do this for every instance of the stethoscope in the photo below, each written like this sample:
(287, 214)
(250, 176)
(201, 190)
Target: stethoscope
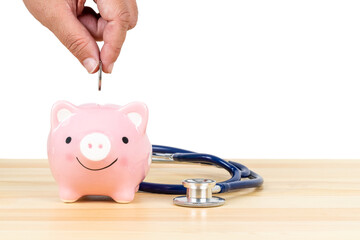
(199, 191)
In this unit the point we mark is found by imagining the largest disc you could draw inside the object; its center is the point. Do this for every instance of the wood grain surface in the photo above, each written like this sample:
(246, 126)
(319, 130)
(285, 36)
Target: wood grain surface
(300, 199)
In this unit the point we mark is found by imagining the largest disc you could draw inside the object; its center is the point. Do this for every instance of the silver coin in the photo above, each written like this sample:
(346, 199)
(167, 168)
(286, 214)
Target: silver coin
(100, 74)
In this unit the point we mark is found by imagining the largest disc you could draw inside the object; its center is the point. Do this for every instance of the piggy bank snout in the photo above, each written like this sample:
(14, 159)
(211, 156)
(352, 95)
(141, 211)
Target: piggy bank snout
(95, 146)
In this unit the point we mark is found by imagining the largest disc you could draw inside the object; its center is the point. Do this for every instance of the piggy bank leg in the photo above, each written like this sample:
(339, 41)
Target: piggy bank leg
(124, 195)
(68, 195)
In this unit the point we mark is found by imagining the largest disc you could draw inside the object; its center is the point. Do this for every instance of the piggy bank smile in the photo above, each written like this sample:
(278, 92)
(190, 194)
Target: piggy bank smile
(95, 169)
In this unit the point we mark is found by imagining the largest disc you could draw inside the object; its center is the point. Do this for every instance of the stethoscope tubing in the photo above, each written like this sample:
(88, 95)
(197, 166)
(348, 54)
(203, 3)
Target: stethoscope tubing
(236, 170)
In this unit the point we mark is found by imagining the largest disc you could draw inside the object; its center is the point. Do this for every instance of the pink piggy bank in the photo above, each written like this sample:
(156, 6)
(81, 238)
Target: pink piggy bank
(99, 150)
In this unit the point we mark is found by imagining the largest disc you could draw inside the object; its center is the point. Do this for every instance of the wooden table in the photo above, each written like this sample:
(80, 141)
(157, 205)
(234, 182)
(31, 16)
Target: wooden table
(300, 199)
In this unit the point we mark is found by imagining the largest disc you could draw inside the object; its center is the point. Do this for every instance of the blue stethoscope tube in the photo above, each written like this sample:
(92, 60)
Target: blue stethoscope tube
(236, 170)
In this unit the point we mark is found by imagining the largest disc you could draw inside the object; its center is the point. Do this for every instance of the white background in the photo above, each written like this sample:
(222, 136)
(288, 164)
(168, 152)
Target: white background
(239, 79)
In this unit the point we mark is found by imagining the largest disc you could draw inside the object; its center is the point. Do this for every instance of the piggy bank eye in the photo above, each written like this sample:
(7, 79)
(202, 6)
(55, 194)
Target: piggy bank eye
(68, 140)
(125, 140)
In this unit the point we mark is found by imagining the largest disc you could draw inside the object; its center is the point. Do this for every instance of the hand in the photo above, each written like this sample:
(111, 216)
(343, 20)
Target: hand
(79, 27)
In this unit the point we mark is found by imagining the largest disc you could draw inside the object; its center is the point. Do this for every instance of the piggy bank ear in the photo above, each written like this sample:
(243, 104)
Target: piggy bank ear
(138, 114)
(60, 111)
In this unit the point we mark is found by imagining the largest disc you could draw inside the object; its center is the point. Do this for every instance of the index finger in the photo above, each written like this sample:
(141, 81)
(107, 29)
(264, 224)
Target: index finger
(120, 18)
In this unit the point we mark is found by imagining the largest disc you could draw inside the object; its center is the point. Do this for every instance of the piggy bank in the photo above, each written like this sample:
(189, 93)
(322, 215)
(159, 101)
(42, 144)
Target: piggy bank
(99, 150)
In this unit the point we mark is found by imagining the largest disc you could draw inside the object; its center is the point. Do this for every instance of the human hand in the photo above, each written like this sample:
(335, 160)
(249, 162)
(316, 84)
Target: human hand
(79, 27)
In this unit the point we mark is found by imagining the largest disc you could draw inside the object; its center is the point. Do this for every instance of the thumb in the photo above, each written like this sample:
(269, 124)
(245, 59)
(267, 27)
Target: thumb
(77, 39)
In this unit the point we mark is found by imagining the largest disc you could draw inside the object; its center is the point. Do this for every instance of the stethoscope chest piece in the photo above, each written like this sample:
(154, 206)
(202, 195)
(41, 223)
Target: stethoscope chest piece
(199, 194)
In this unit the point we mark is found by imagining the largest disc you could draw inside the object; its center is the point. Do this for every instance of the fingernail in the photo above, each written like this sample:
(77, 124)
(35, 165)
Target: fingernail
(110, 68)
(90, 64)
